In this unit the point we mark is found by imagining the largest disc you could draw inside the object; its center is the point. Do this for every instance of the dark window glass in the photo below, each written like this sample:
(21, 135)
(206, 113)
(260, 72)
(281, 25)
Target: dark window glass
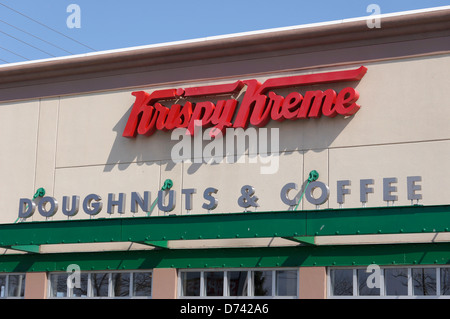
(58, 284)
(2, 286)
(100, 283)
(191, 283)
(363, 289)
(424, 281)
(214, 283)
(286, 282)
(121, 284)
(82, 290)
(237, 283)
(142, 284)
(16, 285)
(262, 283)
(396, 281)
(445, 281)
(342, 282)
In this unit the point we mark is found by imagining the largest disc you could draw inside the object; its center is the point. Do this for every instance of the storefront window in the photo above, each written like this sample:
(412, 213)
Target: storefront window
(2, 286)
(392, 282)
(142, 284)
(262, 283)
(445, 281)
(396, 281)
(81, 291)
(191, 283)
(12, 286)
(242, 283)
(100, 282)
(363, 288)
(121, 284)
(286, 282)
(237, 283)
(102, 285)
(16, 285)
(214, 283)
(424, 281)
(342, 282)
(58, 285)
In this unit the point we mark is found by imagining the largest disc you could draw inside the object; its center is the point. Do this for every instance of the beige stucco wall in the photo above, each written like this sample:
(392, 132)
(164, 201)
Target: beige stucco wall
(72, 145)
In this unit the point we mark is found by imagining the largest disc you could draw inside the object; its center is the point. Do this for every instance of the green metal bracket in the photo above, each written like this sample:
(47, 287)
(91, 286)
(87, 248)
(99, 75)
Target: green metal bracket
(313, 176)
(156, 243)
(34, 249)
(168, 184)
(308, 240)
(39, 193)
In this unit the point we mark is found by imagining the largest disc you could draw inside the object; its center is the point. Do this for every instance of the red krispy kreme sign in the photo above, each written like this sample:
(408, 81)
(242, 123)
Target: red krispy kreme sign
(258, 106)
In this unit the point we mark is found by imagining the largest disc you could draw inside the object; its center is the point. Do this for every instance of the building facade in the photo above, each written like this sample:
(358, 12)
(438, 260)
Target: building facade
(304, 162)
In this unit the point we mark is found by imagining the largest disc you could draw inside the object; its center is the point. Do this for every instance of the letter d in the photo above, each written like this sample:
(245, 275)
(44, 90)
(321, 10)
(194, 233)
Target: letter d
(26, 208)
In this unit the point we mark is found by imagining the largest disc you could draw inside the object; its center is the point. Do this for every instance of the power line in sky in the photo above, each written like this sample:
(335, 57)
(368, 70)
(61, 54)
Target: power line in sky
(32, 46)
(36, 37)
(46, 26)
(15, 53)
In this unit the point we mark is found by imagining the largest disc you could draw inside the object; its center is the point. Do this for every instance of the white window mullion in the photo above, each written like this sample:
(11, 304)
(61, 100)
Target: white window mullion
(69, 290)
(274, 283)
(355, 282)
(225, 284)
(410, 282)
(89, 286)
(250, 283)
(7, 287)
(438, 281)
(202, 284)
(130, 292)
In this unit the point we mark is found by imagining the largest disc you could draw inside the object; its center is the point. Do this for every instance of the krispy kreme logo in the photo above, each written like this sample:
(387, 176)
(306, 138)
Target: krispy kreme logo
(258, 106)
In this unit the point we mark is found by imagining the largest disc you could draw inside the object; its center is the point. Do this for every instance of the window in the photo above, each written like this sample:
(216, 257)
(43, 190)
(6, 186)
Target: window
(286, 282)
(445, 281)
(12, 286)
(363, 289)
(342, 282)
(191, 283)
(237, 283)
(394, 282)
(424, 281)
(103, 285)
(264, 283)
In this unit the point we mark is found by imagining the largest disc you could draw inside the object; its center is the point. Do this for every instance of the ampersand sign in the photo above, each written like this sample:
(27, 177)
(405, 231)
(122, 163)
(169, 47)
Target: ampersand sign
(247, 199)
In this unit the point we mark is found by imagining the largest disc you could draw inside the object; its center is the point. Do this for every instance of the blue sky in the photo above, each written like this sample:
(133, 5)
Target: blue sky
(106, 25)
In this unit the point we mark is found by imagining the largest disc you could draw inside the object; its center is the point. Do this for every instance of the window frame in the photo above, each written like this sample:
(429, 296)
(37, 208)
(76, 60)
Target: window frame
(22, 286)
(226, 290)
(383, 295)
(69, 291)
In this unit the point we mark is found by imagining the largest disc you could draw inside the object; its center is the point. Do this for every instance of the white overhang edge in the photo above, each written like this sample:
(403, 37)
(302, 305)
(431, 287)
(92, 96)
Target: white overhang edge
(229, 36)
(354, 240)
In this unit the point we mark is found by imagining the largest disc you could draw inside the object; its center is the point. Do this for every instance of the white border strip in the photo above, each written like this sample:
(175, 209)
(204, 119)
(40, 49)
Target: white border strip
(227, 36)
